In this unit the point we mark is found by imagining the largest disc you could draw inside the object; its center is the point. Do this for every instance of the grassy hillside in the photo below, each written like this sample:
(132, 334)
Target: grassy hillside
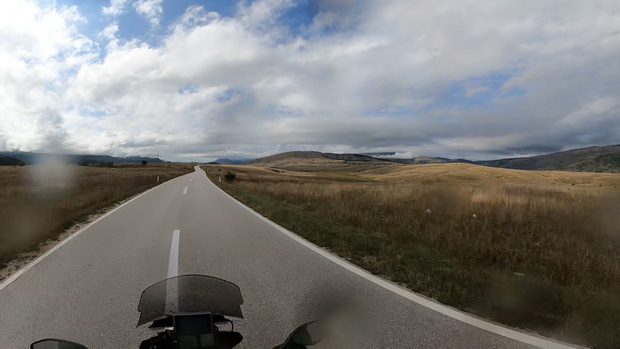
(312, 161)
(421, 160)
(609, 163)
(591, 159)
(468, 173)
(536, 250)
(564, 160)
(224, 161)
(8, 161)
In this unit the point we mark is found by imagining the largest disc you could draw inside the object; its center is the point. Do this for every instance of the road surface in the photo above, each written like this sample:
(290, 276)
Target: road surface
(88, 289)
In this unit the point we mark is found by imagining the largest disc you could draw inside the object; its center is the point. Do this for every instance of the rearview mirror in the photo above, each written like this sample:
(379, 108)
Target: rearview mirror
(56, 344)
(305, 335)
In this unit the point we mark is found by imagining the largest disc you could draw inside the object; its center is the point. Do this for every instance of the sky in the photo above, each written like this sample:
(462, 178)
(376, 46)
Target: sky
(204, 79)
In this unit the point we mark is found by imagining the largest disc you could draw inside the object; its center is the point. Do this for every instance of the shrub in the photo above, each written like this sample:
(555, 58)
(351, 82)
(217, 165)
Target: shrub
(105, 164)
(230, 176)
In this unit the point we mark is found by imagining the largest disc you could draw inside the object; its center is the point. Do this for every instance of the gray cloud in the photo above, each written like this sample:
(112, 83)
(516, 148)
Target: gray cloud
(444, 78)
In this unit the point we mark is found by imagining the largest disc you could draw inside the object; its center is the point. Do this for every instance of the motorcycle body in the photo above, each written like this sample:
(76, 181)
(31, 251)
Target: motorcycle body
(191, 312)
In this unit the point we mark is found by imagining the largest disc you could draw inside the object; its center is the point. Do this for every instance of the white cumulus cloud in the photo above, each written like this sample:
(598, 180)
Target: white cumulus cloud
(150, 9)
(464, 79)
(39, 50)
(116, 7)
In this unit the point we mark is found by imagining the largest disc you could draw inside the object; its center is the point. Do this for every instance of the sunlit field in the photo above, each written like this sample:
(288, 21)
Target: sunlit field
(39, 202)
(535, 250)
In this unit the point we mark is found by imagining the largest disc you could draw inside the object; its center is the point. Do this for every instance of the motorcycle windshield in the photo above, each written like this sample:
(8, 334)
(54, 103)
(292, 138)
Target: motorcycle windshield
(188, 294)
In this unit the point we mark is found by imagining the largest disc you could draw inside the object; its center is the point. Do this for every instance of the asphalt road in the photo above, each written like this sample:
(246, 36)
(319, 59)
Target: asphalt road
(88, 290)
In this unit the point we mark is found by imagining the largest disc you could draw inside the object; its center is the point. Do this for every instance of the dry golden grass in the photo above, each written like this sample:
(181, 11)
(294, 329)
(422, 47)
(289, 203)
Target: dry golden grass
(320, 164)
(460, 173)
(39, 202)
(528, 249)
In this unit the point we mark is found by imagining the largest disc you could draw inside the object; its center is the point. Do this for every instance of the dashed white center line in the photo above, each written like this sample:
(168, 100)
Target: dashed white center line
(185, 191)
(172, 286)
(173, 262)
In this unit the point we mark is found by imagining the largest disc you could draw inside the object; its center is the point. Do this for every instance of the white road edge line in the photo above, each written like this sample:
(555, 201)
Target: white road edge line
(185, 191)
(531, 339)
(30, 265)
(173, 262)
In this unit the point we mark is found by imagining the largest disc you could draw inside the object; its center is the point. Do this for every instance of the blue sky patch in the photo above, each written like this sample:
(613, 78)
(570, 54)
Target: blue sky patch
(474, 92)
(134, 26)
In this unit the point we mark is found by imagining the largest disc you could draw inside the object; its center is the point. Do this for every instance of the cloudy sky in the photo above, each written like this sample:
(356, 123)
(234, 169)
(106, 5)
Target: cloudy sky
(203, 79)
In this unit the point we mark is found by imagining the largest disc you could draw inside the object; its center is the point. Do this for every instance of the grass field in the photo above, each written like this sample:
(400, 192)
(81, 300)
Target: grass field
(39, 202)
(535, 250)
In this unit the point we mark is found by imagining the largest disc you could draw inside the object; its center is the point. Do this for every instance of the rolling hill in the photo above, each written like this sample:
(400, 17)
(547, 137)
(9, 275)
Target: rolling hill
(416, 160)
(8, 161)
(35, 158)
(609, 163)
(442, 173)
(224, 161)
(472, 173)
(430, 160)
(314, 161)
(590, 159)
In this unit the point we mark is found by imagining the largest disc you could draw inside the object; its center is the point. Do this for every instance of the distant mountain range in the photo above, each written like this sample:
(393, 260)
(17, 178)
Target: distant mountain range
(8, 161)
(590, 159)
(416, 160)
(36, 158)
(229, 161)
(310, 161)
(316, 161)
(317, 155)
(430, 160)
